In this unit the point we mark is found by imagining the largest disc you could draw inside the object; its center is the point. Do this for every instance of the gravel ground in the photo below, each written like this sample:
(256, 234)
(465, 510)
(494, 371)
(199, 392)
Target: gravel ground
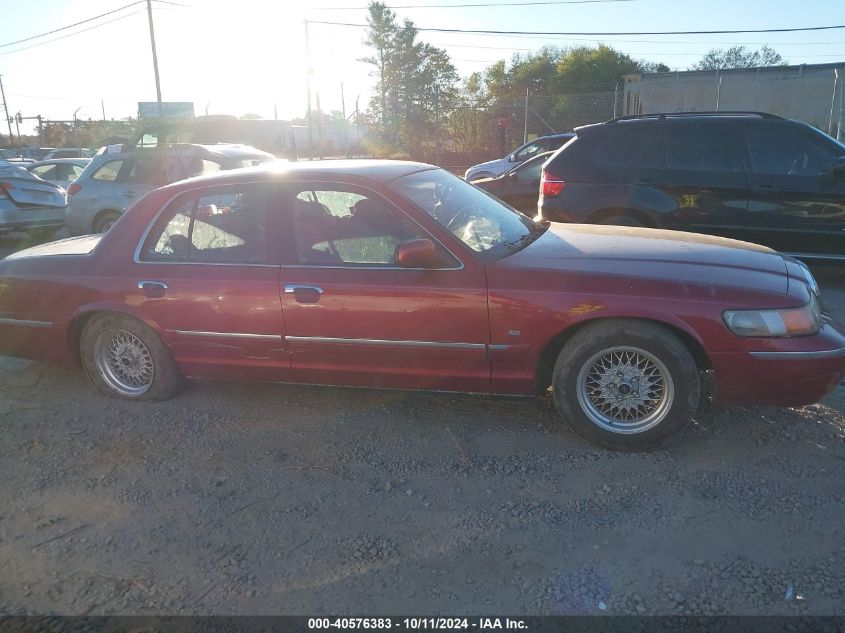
(266, 499)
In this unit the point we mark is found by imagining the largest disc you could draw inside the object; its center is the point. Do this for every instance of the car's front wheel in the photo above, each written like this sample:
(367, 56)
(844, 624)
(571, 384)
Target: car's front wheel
(125, 358)
(626, 384)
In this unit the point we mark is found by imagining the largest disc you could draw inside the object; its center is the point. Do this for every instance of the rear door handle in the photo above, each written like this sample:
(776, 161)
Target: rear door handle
(152, 289)
(304, 293)
(130, 194)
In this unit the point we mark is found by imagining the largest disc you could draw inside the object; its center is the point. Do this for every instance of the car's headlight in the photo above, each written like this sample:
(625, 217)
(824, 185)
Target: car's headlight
(801, 321)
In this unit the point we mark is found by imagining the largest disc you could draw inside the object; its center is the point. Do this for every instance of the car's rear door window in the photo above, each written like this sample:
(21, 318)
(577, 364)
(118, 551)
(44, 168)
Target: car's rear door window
(700, 147)
(47, 172)
(108, 172)
(226, 225)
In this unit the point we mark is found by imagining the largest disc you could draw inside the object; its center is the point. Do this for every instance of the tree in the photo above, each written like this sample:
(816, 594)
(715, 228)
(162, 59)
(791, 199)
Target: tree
(739, 57)
(586, 69)
(414, 80)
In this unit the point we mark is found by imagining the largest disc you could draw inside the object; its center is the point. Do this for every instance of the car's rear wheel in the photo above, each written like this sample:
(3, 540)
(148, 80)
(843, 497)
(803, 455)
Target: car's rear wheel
(125, 358)
(626, 384)
(105, 221)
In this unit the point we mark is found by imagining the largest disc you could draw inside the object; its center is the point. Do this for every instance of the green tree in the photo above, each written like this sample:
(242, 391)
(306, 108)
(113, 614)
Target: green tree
(415, 81)
(586, 69)
(739, 57)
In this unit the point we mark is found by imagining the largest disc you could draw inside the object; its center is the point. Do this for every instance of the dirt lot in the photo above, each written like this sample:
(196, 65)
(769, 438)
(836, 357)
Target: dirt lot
(237, 499)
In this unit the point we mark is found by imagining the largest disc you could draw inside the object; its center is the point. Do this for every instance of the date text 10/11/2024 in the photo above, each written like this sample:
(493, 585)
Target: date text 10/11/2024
(417, 623)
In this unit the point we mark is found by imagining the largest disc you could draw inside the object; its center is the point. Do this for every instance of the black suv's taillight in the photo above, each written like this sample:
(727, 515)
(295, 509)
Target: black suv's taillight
(551, 185)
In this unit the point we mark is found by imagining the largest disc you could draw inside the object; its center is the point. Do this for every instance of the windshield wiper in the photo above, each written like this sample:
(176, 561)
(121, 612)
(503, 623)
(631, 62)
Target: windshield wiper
(536, 230)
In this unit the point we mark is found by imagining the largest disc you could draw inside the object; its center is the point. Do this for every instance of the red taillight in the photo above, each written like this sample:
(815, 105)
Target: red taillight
(74, 188)
(551, 185)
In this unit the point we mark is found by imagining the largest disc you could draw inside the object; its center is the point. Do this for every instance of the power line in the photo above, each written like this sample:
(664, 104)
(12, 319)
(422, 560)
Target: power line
(70, 26)
(600, 33)
(87, 20)
(480, 4)
(80, 31)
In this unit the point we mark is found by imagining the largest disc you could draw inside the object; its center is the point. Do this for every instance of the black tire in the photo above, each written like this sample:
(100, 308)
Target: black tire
(587, 348)
(166, 378)
(105, 221)
(623, 220)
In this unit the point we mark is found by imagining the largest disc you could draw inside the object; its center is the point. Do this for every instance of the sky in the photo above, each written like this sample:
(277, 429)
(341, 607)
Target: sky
(249, 56)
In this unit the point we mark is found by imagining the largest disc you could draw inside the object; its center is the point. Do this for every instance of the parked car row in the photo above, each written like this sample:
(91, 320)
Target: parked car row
(750, 176)
(100, 189)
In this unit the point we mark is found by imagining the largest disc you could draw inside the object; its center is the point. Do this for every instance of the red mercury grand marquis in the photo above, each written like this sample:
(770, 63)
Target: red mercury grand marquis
(400, 275)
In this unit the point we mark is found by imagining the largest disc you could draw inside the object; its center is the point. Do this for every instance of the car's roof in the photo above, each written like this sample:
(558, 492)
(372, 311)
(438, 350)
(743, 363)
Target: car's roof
(60, 161)
(222, 150)
(376, 170)
(561, 135)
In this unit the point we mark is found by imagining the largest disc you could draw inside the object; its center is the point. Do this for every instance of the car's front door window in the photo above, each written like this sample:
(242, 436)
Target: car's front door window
(342, 225)
(528, 151)
(785, 151)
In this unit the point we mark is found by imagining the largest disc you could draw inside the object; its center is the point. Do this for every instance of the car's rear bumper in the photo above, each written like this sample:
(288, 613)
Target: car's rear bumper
(788, 372)
(14, 218)
(33, 338)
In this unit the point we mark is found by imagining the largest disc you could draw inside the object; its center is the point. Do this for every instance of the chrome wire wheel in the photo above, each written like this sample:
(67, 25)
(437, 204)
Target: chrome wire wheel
(625, 390)
(124, 362)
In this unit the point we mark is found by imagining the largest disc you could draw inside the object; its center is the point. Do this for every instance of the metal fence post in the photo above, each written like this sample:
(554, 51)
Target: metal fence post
(525, 123)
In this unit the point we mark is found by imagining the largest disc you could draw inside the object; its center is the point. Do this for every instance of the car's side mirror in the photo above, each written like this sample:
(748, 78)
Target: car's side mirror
(417, 253)
(512, 158)
(838, 168)
(513, 176)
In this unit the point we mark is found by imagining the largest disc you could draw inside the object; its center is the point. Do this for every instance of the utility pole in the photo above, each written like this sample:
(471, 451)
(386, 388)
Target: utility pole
(343, 110)
(103, 106)
(308, 89)
(358, 126)
(155, 57)
(319, 126)
(6, 110)
(525, 126)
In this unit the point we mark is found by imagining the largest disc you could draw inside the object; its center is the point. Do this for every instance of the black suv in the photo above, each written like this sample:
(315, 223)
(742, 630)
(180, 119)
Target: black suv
(746, 175)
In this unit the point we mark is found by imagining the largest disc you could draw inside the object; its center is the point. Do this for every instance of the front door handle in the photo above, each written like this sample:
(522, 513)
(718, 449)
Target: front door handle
(152, 289)
(130, 194)
(303, 293)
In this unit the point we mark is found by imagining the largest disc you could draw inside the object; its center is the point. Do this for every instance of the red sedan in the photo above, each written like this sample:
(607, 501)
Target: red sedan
(400, 275)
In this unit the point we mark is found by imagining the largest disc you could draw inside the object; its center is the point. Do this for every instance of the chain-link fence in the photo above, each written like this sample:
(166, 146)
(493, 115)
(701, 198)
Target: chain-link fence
(468, 133)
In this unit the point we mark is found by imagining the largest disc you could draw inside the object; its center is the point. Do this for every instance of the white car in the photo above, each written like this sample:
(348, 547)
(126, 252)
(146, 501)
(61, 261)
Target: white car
(497, 167)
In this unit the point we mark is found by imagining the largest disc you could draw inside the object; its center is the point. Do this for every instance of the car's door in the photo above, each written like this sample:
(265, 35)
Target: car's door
(691, 176)
(141, 175)
(355, 317)
(207, 274)
(796, 204)
(105, 187)
(522, 187)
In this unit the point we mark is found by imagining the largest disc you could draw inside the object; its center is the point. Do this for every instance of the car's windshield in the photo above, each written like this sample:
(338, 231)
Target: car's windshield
(489, 227)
